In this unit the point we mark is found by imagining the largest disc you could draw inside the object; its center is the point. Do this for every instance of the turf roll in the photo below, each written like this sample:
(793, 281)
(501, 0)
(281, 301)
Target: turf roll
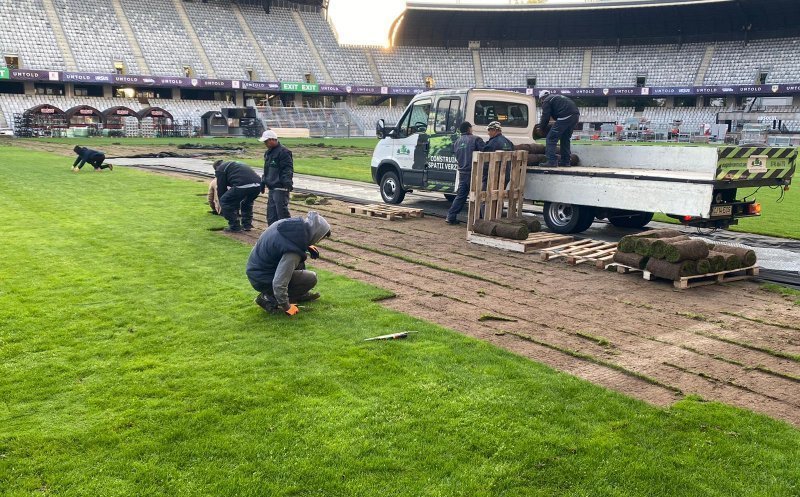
(703, 266)
(513, 231)
(631, 260)
(484, 227)
(717, 260)
(628, 243)
(746, 256)
(671, 271)
(691, 250)
(660, 245)
(644, 246)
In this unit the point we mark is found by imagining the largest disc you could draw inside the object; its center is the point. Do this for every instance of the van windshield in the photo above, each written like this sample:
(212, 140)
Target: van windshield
(509, 114)
(417, 114)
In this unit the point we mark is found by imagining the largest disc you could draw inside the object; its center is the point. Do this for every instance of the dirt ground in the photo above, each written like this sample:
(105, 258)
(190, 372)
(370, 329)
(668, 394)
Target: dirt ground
(734, 343)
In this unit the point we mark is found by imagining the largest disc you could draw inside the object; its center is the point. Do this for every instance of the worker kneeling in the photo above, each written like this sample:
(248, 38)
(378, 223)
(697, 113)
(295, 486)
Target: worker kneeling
(276, 266)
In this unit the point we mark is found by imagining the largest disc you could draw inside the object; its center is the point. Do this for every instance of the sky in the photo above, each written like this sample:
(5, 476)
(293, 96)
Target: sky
(367, 22)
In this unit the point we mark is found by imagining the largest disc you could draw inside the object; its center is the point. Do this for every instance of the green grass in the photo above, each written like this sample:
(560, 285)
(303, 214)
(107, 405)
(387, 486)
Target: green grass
(789, 293)
(777, 219)
(133, 362)
(361, 143)
(350, 168)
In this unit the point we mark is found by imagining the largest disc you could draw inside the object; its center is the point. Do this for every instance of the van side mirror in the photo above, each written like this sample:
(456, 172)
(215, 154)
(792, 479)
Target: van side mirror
(380, 129)
(421, 127)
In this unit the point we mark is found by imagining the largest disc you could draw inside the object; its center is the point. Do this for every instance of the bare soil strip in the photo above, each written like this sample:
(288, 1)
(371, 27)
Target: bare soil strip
(732, 343)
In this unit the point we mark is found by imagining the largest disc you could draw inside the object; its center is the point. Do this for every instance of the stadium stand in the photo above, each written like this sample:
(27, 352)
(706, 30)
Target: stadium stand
(26, 32)
(224, 41)
(95, 35)
(154, 32)
(550, 66)
(349, 64)
(276, 33)
(661, 65)
(737, 63)
(408, 66)
(244, 37)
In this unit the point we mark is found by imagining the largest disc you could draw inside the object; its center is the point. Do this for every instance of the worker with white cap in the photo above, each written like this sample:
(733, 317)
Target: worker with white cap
(278, 173)
(566, 116)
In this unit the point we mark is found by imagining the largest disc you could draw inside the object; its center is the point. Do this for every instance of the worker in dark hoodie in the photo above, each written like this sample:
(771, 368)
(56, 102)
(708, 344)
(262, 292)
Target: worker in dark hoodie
(238, 187)
(276, 267)
(93, 157)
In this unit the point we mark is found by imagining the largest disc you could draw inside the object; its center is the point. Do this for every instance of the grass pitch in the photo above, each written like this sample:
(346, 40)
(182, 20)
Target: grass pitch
(133, 362)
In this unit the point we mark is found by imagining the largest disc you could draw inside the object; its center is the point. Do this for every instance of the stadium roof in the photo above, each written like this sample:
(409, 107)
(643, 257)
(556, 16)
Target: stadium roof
(609, 22)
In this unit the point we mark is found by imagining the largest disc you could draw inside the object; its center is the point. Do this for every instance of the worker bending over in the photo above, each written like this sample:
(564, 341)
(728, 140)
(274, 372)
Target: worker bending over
(566, 116)
(238, 187)
(276, 264)
(93, 157)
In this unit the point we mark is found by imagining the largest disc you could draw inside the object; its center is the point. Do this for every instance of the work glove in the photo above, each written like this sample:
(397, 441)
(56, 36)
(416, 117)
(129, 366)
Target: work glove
(290, 309)
(263, 187)
(314, 251)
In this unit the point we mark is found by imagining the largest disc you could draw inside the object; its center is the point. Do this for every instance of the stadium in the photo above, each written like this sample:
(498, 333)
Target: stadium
(399, 247)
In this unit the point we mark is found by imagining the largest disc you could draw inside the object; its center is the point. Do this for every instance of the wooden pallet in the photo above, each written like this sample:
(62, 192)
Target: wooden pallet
(580, 251)
(535, 241)
(387, 212)
(694, 281)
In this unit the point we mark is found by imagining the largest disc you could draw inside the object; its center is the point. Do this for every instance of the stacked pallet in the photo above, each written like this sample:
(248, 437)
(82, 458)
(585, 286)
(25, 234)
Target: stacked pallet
(671, 255)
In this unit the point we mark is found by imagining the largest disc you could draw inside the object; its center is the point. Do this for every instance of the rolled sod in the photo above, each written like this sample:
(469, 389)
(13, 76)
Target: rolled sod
(628, 243)
(531, 223)
(692, 250)
(703, 266)
(513, 231)
(484, 227)
(660, 245)
(747, 257)
(671, 271)
(644, 246)
(631, 260)
(731, 261)
(717, 260)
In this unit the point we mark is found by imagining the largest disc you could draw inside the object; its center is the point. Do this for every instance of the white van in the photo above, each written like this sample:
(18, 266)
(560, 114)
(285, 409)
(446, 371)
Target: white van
(417, 153)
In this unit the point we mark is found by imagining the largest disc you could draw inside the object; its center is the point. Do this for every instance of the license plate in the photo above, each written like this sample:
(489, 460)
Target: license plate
(722, 210)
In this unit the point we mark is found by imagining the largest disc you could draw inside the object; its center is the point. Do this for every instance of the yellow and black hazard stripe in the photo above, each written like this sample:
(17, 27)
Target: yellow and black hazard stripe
(743, 174)
(742, 152)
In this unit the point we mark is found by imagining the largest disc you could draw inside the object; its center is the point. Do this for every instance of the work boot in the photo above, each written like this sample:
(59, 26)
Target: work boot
(453, 222)
(232, 229)
(75, 169)
(247, 227)
(110, 167)
(269, 304)
(306, 297)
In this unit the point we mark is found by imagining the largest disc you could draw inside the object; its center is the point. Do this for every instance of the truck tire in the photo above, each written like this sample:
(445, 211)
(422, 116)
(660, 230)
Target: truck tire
(638, 220)
(567, 218)
(450, 197)
(391, 189)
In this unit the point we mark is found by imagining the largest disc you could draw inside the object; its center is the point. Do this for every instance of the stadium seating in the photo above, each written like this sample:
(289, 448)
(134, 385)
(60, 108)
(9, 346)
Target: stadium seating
(282, 43)
(737, 63)
(661, 65)
(26, 32)
(511, 67)
(349, 64)
(408, 66)
(223, 40)
(154, 32)
(95, 35)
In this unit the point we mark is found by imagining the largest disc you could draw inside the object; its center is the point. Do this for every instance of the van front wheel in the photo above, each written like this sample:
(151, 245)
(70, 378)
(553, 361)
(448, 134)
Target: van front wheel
(391, 190)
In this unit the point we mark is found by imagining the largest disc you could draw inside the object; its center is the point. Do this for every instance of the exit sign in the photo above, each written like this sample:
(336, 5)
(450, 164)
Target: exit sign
(300, 87)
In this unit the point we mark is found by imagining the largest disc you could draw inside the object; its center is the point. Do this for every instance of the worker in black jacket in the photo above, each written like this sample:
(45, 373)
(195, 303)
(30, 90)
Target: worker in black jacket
(278, 174)
(566, 115)
(93, 157)
(497, 143)
(238, 187)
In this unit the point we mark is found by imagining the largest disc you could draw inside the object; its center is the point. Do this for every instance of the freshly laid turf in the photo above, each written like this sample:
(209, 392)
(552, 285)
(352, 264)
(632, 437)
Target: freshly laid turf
(133, 362)
(360, 143)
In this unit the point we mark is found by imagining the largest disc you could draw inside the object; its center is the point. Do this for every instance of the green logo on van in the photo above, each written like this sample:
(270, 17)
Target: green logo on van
(403, 151)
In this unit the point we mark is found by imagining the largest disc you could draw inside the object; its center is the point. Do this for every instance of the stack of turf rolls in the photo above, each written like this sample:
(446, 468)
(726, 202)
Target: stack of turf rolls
(536, 155)
(514, 228)
(669, 254)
